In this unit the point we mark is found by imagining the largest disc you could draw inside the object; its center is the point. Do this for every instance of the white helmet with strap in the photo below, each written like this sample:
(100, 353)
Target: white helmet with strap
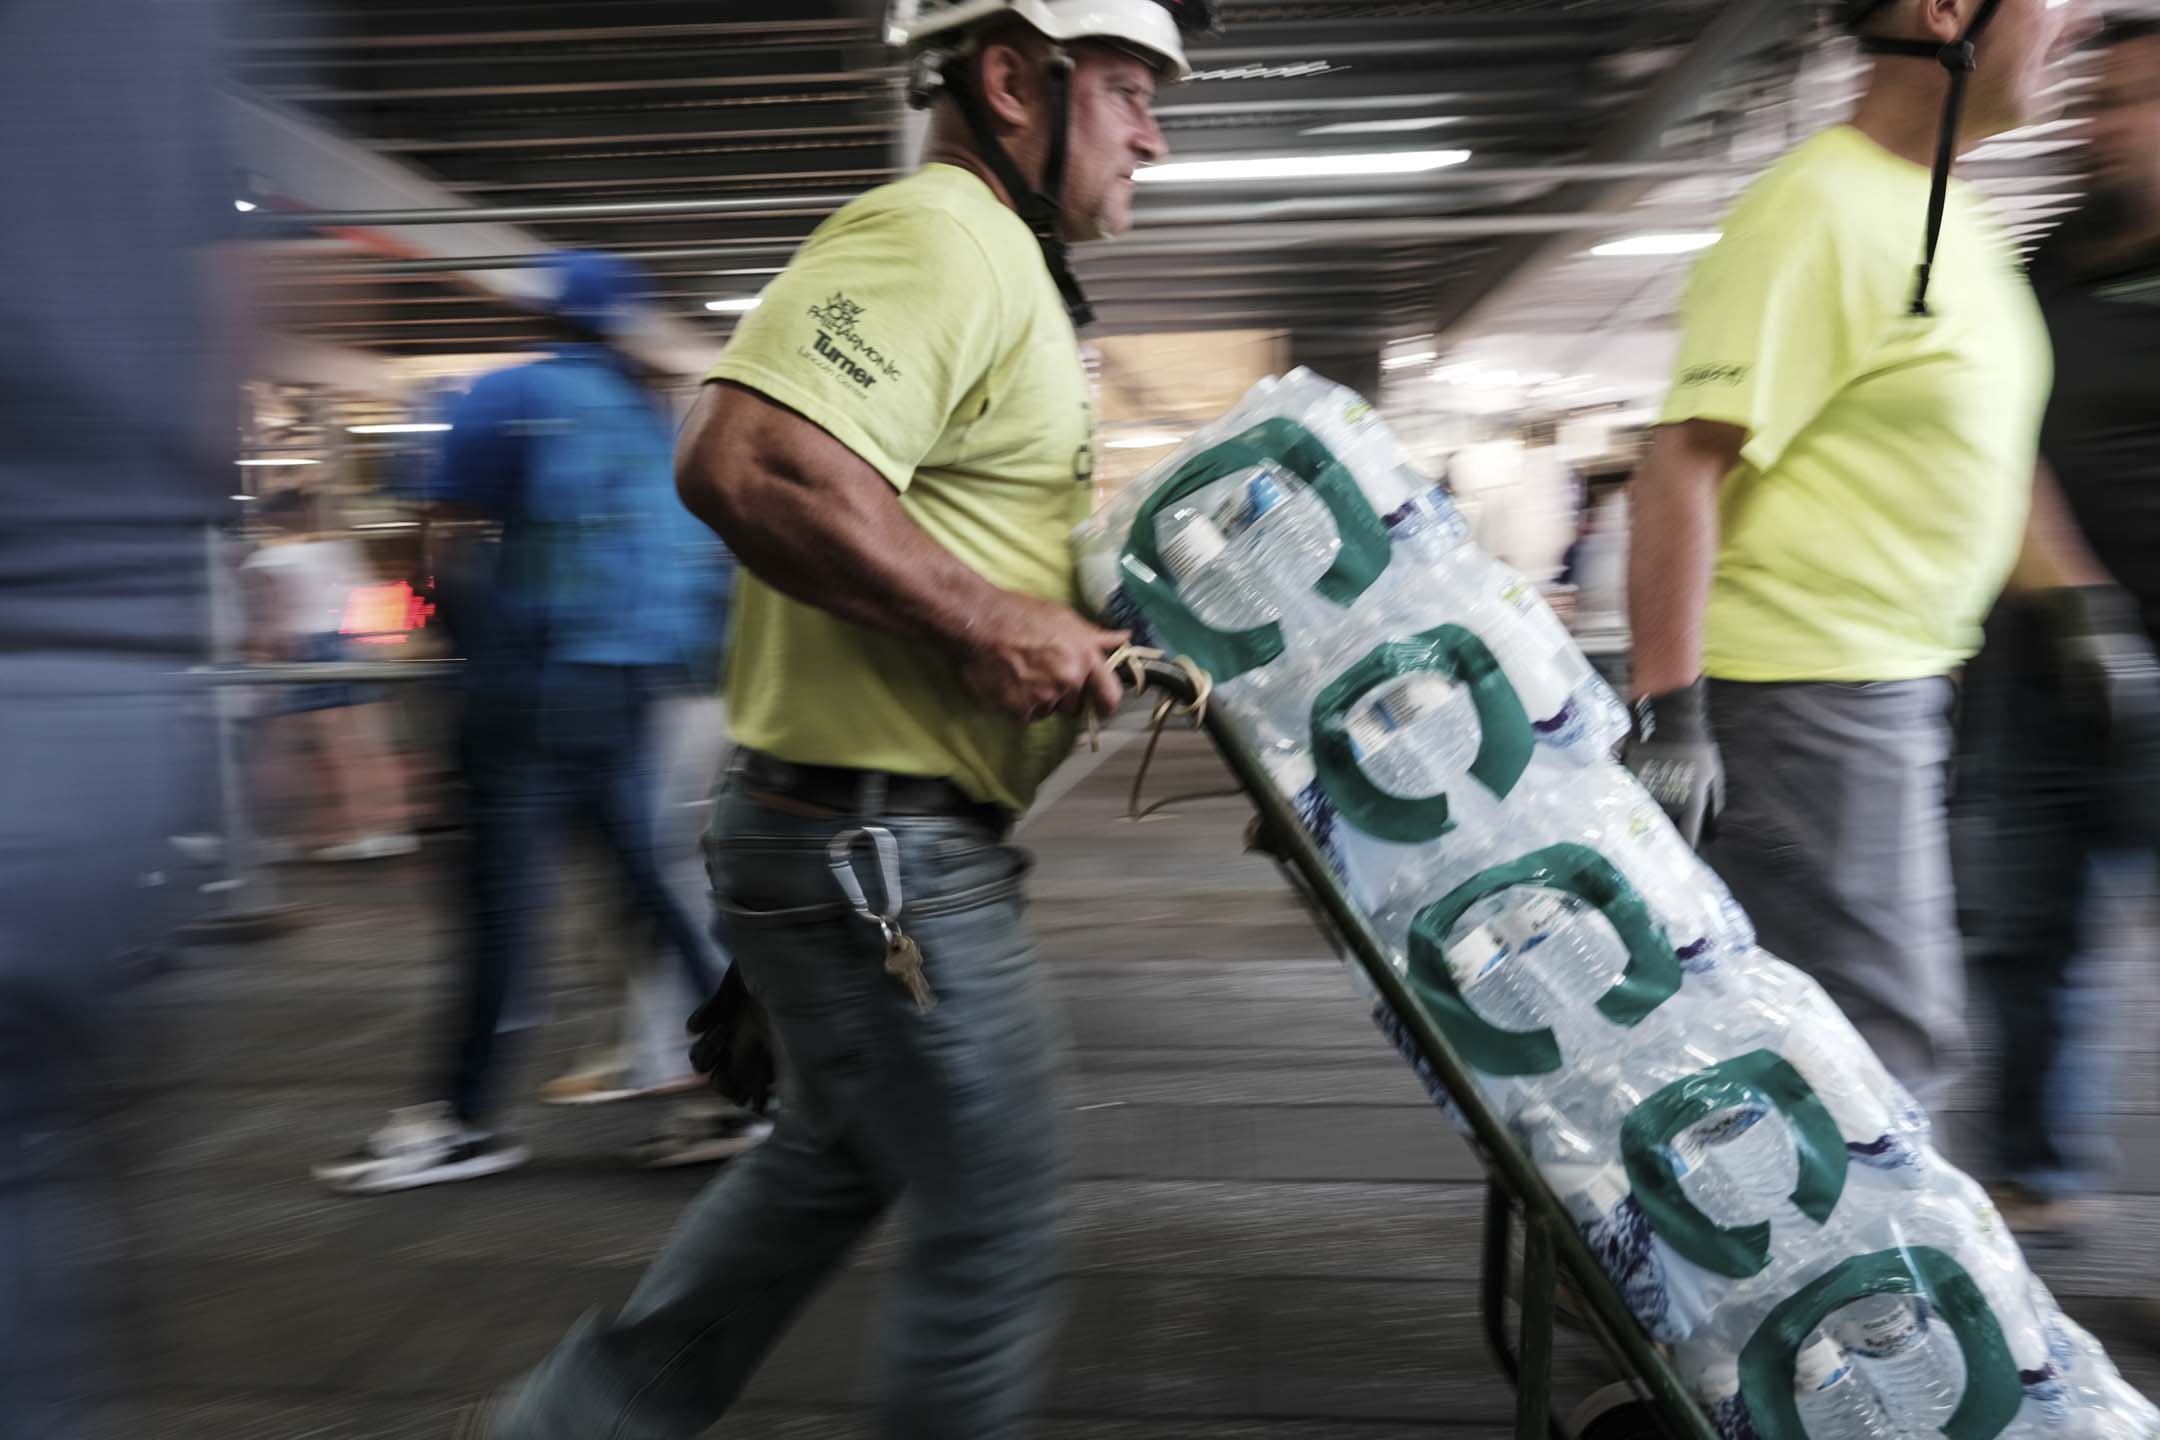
(1153, 29)
(940, 36)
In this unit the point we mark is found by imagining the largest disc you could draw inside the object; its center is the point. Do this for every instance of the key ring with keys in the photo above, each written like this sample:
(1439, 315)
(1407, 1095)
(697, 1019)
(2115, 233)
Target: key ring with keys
(903, 958)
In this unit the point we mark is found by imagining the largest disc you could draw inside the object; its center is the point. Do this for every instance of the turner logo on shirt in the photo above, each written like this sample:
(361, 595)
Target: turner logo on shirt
(1699, 375)
(840, 344)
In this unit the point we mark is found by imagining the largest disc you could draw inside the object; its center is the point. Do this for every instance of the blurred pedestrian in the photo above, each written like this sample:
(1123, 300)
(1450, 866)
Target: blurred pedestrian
(568, 646)
(649, 1054)
(116, 402)
(896, 445)
(1838, 491)
(2059, 797)
(356, 784)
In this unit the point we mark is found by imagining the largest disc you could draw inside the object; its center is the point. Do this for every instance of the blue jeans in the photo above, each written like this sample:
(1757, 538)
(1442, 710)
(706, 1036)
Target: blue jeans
(2039, 826)
(956, 1107)
(572, 743)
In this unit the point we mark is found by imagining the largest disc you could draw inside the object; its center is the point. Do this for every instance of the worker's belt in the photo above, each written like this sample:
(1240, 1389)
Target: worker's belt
(834, 790)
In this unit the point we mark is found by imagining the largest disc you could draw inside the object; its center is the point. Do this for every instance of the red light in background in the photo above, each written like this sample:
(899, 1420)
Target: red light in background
(384, 614)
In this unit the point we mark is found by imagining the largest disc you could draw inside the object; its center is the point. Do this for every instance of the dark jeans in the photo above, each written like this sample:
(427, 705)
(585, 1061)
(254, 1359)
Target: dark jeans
(576, 744)
(2039, 823)
(1835, 840)
(92, 781)
(956, 1108)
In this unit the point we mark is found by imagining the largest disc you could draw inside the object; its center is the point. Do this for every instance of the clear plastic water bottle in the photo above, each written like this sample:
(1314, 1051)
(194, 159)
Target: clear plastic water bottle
(1737, 1166)
(1604, 808)
(1571, 707)
(1908, 1358)
(1531, 958)
(1415, 735)
(1283, 535)
(1834, 1401)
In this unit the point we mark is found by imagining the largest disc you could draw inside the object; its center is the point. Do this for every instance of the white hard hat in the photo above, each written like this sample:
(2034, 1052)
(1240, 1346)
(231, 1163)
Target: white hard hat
(1150, 28)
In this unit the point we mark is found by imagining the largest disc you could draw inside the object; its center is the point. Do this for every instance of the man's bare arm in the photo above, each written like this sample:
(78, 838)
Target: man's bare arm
(1672, 549)
(2054, 554)
(815, 521)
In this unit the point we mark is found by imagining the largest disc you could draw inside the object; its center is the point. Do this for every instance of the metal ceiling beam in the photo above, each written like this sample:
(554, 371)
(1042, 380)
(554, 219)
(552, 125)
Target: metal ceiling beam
(752, 32)
(860, 179)
(1636, 136)
(531, 214)
(310, 95)
(1221, 238)
(870, 134)
(818, 204)
(1330, 98)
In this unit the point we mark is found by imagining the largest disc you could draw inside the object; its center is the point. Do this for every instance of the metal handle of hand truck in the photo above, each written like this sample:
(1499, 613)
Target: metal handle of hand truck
(1174, 680)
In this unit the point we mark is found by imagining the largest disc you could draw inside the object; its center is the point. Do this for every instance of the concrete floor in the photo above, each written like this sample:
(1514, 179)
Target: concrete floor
(1274, 1234)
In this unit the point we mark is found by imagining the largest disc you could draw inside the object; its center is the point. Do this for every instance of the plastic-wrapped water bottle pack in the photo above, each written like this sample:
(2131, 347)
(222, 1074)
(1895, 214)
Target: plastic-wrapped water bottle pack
(1762, 1193)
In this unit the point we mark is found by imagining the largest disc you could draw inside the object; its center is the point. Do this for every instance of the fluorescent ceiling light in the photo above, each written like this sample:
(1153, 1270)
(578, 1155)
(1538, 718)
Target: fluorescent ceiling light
(240, 497)
(243, 206)
(740, 305)
(1403, 362)
(1679, 244)
(1305, 167)
(1145, 440)
(1384, 127)
(413, 428)
(277, 462)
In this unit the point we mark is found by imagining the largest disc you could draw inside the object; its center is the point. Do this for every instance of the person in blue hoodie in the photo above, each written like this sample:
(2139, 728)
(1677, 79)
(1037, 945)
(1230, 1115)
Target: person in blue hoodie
(570, 642)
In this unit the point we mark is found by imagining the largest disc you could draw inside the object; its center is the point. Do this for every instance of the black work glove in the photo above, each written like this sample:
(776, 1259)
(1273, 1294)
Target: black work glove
(1671, 751)
(2104, 664)
(734, 1050)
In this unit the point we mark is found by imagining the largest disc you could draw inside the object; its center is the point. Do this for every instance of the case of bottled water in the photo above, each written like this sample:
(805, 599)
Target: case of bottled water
(1763, 1195)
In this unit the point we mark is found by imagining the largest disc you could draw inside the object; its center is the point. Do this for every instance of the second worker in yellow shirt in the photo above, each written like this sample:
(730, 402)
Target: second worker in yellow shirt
(1839, 488)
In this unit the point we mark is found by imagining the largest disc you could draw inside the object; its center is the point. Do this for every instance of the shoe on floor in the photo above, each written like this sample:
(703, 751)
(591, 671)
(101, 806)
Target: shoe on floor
(699, 1135)
(606, 1084)
(368, 847)
(420, 1145)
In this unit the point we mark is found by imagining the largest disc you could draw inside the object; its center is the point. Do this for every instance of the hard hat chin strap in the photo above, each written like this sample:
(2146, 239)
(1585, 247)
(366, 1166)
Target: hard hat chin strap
(1042, 209)
(1958, 58)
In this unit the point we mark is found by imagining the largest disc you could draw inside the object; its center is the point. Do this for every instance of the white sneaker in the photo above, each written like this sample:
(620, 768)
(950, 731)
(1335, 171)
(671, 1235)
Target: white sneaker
(420, 1145)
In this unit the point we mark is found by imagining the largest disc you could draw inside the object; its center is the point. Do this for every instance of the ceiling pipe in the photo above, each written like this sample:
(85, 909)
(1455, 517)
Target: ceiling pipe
(743, 30)
(1198, 238)
(530, 214)
(1457, 177)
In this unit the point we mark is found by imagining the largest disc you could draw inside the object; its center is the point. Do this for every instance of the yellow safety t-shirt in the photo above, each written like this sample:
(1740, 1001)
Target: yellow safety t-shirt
(1882, 492)
(921, 329)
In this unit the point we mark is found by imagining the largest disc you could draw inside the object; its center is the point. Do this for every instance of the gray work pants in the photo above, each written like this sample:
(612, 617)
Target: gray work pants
(1835, 838)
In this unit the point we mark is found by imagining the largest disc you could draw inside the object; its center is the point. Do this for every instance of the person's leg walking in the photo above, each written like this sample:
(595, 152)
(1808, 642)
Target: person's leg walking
(626, 801)
(517, 797)
(658, 994)
(967, 1332)
(2042, 807)
(954, 1106)
(1835, 840)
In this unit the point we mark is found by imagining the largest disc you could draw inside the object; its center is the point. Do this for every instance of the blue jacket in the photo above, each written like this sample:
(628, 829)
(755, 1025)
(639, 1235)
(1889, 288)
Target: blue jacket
(599, 562)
